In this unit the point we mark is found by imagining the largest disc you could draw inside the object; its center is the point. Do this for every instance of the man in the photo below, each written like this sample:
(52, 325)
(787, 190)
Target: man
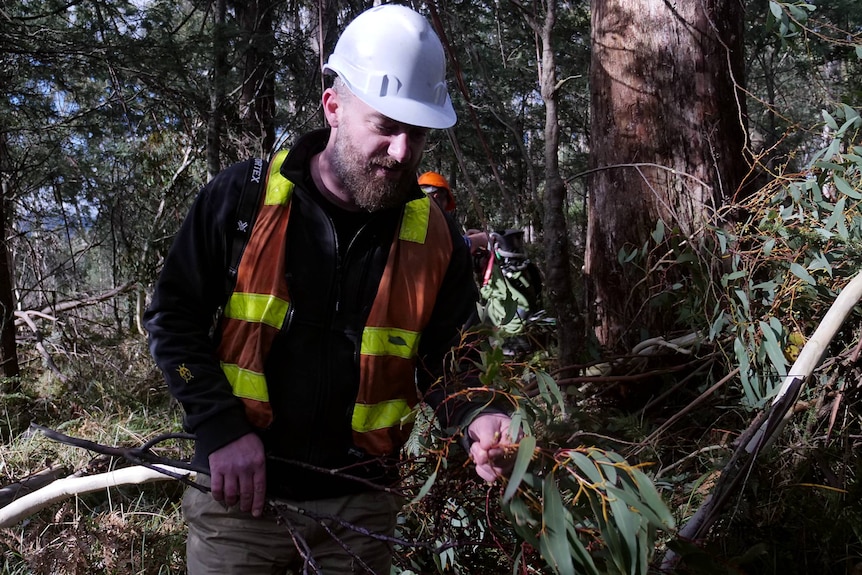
(437, 188)
(350, 292)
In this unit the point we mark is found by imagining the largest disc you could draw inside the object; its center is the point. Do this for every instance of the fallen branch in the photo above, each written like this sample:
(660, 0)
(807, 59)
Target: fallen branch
(813, 350)
(72, 486)
(29, 484)
(49, 312)
(40, 346)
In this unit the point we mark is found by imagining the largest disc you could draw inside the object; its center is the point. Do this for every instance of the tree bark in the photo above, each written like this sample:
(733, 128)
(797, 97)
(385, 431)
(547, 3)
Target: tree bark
(558, 274)
(9, 366)
(667, 140)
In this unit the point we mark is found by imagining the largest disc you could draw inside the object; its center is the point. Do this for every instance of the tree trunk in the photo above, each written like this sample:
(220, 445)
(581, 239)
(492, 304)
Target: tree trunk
(558, 276)
(257, 97)
(8, 350)
(217, 96)
(667, 145)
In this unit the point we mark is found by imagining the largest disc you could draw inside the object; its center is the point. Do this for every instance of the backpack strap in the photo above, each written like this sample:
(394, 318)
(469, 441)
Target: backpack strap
(246, 212)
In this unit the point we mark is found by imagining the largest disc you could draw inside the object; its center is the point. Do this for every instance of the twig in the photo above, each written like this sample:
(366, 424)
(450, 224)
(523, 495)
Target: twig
(675, 417)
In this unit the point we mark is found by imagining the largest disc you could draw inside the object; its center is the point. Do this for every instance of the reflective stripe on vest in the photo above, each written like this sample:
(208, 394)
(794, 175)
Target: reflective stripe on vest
(389, 341)
(381, 415)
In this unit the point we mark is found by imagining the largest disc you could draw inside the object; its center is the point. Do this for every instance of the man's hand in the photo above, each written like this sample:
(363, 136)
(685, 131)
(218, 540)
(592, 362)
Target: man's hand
(492, 450)
(238, 472)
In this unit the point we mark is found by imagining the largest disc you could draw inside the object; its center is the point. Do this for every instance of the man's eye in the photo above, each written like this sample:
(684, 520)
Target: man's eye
(386, 129)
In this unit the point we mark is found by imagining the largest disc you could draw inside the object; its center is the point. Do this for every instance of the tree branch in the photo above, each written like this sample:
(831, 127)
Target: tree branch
(71, 486)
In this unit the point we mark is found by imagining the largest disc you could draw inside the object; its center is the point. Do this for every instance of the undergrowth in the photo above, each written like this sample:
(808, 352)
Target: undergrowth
(132, 529)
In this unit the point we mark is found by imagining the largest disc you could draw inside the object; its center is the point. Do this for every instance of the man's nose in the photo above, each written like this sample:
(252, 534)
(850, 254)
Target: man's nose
(399, 146)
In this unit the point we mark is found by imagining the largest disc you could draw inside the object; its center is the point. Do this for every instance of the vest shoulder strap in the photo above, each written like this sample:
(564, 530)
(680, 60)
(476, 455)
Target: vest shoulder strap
(246, 211)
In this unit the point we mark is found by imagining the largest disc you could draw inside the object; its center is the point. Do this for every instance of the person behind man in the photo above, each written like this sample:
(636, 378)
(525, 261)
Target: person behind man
(350, 293)
(438, 189)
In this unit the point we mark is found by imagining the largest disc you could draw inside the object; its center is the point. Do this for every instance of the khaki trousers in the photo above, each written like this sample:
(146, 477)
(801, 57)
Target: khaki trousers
(226, 541)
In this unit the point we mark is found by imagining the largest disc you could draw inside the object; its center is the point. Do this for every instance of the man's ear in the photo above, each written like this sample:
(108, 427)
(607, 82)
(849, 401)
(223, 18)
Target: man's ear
(331, 107)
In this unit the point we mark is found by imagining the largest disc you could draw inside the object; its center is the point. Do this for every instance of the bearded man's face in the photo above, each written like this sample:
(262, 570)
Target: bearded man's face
(375, 157)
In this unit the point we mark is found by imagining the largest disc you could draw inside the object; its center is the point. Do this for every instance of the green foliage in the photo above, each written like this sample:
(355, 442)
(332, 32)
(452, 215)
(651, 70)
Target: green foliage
(800, 242)
(789, 17)
(586, 510)
(757, 285)
(580, 509)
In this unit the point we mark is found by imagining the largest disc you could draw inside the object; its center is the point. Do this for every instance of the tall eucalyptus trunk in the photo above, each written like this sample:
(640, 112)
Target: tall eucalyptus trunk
(667, 140)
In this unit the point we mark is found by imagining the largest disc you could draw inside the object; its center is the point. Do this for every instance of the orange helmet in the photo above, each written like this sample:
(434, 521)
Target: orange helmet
(435, 180)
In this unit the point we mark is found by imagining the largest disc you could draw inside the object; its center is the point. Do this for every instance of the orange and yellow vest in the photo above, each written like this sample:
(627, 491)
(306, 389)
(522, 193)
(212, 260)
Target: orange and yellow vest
(259, 306)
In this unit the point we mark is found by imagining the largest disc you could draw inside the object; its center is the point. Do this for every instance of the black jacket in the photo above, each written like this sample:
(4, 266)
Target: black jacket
(313, 368)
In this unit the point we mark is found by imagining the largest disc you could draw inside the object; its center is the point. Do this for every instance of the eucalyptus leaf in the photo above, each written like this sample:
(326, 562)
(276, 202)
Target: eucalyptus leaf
(549, 389)
(650, 495)
(588, 467)
(554, 541)
(776, 10)
(606, 465)
(627, 523)
(798, 13)
(845, 188)
(726, 279)
(743, 299)
(802, 273)
(580, 553)
(717, 326)
(773, 349)
(522, 461)
(658, 233)
(637, 503)
(524, 520)
(426, 487)
(830, 121)
(837, 214)
(827, 166)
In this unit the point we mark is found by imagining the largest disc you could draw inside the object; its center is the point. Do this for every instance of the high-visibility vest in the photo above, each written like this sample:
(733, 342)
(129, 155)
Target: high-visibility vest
(259, 305)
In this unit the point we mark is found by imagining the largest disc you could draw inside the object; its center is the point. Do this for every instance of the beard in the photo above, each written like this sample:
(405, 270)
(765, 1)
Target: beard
(361, 178)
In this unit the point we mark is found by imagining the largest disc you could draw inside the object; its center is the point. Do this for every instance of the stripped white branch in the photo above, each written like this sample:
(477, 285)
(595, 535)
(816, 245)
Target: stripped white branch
(71, 486)
(812, 351)
(682, 344)
(811, 355)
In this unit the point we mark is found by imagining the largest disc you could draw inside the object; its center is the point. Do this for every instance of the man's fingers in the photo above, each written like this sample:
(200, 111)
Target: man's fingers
(478, 454)
(231, 490)
(486, 472)
(217, 486)
(246, 497)
(259, 498)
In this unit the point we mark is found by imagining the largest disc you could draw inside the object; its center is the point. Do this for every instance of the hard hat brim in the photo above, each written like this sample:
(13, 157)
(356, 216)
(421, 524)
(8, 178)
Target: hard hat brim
(402, 109)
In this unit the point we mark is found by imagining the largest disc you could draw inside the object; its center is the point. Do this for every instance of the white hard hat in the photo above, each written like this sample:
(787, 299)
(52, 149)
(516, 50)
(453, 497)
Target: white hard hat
(392, 60)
